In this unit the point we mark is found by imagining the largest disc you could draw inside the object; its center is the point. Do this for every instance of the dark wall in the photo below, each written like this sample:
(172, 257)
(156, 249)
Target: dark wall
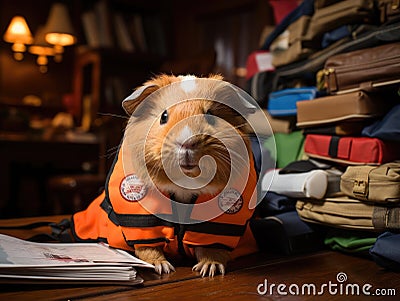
(18, 79)
(232, 26)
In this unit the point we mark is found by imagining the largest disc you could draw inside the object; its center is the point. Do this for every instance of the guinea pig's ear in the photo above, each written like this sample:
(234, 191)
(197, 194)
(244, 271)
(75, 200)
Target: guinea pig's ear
(132, 101)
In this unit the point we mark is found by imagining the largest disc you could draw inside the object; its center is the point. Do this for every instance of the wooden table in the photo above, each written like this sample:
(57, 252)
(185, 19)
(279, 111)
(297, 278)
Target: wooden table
(259, 276)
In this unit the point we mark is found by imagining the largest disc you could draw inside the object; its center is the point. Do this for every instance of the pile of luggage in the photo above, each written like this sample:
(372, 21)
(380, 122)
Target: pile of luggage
(336, 84)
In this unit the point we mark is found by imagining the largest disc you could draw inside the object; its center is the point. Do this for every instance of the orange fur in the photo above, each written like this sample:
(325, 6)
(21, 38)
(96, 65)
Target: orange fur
(159, 143)
(145, 129)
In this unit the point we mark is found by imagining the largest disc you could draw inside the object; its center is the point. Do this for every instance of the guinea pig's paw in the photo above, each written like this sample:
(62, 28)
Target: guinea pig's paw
(155, 256)
(210, 261)
(205, 267)
(163, 267)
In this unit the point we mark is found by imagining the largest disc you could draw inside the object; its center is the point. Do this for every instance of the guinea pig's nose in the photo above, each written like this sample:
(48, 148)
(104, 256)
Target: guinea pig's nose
(189, 144)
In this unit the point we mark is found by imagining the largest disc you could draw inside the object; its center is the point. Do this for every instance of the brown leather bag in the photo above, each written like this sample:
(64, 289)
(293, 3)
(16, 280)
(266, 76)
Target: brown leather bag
(365, 69)
(337, 108)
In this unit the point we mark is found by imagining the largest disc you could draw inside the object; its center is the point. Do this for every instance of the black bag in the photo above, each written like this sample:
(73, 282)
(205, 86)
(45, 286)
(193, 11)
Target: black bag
(285, 233)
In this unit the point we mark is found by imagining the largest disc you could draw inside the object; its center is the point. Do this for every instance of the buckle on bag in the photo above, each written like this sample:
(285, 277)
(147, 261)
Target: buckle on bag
(360, 189)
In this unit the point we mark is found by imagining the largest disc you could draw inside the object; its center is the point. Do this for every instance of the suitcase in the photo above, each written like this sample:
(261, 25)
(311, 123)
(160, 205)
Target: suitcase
(283, 102)
(345, 107)
(365, 69)
(351, 150)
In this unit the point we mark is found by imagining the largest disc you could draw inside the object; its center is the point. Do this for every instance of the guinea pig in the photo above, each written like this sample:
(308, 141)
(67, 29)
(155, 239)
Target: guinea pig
(187, 140)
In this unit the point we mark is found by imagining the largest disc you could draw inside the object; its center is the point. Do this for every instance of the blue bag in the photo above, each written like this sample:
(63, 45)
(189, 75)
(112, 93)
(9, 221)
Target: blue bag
(388, 128)
(283, 102)
(339, 33)
(274, 203)
(386, 251)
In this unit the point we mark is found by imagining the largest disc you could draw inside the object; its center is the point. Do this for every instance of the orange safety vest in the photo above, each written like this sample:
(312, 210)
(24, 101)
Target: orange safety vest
(127, 216)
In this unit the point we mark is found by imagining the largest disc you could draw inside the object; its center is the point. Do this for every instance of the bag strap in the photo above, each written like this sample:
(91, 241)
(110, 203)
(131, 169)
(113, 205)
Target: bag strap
(333, 146)
(60, 231)
(386, 218)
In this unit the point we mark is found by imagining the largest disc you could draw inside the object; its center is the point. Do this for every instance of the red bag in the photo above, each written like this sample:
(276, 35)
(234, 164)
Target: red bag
(258, 61)
(351, 150)
(282, 8)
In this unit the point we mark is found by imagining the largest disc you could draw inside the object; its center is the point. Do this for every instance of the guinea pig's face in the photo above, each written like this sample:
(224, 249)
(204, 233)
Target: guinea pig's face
(189, 146)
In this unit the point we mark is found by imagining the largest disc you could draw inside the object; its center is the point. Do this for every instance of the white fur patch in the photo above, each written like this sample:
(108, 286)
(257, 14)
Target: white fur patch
(185, 134)
(188, 83)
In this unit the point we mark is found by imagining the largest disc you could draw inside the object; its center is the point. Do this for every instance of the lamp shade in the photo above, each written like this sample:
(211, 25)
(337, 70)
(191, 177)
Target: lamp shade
(59, 30)
(42, 49)
(40, 46)
(18, 31)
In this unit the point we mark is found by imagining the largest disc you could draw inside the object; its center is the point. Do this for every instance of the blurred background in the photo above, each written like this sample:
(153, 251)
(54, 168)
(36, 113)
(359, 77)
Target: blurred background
(65, 67)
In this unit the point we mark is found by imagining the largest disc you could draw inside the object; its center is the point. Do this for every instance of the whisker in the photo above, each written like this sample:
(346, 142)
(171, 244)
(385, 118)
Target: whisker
(241, 163)
(112, 115)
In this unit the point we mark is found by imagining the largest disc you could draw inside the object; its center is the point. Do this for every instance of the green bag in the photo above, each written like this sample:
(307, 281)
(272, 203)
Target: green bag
(287, 147)
(354, 242)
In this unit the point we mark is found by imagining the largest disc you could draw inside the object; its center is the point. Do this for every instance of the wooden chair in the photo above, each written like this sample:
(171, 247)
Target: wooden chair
(67, 194)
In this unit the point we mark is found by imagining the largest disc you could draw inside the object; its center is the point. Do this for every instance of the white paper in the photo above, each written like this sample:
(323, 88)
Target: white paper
(66, 261)
(264, 61)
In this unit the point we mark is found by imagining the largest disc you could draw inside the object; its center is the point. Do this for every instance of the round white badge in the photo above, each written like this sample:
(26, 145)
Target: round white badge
(132, 188)
(230, 201)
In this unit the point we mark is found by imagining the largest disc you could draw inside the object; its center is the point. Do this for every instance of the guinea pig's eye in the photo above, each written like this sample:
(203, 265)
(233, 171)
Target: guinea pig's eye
(210, 118)
(164, 117)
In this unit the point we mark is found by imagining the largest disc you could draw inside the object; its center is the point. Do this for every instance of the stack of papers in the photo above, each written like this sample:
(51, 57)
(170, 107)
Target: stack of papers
(24, 261)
